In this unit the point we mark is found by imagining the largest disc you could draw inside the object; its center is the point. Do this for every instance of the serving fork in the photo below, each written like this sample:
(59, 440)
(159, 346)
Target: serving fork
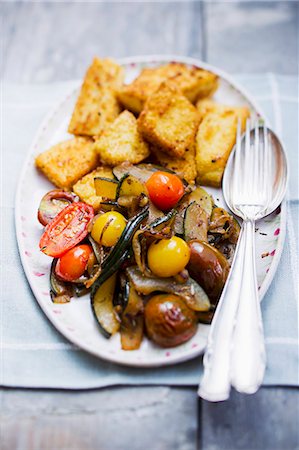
(254, 184)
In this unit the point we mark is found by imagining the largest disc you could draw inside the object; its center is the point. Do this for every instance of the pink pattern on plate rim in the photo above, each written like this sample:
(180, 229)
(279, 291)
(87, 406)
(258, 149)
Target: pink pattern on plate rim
(38, 274)
(276, 232)
(28, 253)
(167, 354)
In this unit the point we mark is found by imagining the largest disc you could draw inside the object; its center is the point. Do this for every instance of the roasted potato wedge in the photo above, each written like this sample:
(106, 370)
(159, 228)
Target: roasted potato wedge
(121, 142)
(215, 139)
(85, 187)
(97, 105)
(66, 162)
(169, 121)
(193, 82)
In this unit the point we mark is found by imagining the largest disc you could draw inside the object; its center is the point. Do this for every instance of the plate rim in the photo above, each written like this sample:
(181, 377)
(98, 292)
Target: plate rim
(191, 353)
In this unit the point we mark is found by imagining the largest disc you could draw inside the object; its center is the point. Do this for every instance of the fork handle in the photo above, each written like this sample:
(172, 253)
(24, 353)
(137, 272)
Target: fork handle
(215, 384)
(248, 357)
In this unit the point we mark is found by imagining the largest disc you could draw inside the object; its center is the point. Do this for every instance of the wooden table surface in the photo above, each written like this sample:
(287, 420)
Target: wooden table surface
(50, 41)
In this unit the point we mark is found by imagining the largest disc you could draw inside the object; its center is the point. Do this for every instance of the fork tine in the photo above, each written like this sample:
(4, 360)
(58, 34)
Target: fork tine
(248, 175)
(257, 172)
(267, 165)
(237, 159)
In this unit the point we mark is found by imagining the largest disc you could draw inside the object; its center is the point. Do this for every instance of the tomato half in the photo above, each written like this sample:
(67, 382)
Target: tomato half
(165, 189)
(67, 229)
(72, 264)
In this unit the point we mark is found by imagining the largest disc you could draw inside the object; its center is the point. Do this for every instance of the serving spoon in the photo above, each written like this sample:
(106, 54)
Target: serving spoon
(254, 184)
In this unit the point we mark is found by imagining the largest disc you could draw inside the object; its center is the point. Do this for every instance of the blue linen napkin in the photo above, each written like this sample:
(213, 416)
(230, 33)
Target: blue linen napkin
(34, 354)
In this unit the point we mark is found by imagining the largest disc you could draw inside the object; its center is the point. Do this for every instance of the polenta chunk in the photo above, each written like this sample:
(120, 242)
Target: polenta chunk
(97, 105)
(215, 139)
(85, 187)
(193, 82)
(185, 167)
(68, 161)
(169, 121)
(121, 142)
(207, 106)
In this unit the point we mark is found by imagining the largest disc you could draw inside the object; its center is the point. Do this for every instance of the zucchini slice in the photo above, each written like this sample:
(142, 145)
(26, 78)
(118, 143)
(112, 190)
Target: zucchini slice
(61, 291)
(162, 222)
(105, 187)
(130, 186)
(194, 296)
(195, 223)
(102, 307)
(203, 199)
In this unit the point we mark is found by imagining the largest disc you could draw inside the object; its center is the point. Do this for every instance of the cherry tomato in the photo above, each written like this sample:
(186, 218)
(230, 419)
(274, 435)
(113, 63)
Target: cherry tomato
(165, 189)
(108, 228)
(73, 263)
(53, 202)
(67, 229)
(168, 257)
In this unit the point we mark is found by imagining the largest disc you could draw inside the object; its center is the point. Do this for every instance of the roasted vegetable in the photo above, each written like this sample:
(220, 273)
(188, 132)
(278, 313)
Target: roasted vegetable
(131, 330)
(203, 199)
(190, 291)
(224, 226)
(68, 228)
(208, 267)
(141, 171)
(105, 187)
(165, 189)
(168, 320)
(61, 291)
(102, 307)
(107, 228)
(195, 223)
(168, 257)
(120, 251)
(130, 186)
(53, 202)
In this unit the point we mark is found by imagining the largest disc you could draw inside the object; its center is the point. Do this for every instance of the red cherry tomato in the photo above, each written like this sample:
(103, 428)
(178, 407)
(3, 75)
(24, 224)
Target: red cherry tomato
(67, 229)
(72, 264)
(165, 189)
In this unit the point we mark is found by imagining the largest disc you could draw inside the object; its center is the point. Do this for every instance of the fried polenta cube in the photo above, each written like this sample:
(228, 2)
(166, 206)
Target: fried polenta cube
(121, 142)
(207, 105)
(85, 187)
(215, 139)
(193, 82)
(97, 105)
(185, 167)
(169, 121)
(66, 162)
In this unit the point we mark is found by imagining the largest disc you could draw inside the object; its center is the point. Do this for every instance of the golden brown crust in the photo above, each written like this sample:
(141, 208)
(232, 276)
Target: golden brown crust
(66, 162)
(215, 139)
(185, 167)
(85, 188)
(193, 82)
(97, 105)
(121, 142)
(169, 121)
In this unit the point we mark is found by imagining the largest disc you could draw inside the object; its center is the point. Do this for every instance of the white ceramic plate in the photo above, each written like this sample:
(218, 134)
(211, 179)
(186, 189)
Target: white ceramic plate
(75, 320)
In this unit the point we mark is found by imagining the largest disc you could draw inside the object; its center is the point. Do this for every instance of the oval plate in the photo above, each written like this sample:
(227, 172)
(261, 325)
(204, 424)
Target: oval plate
(75, 320)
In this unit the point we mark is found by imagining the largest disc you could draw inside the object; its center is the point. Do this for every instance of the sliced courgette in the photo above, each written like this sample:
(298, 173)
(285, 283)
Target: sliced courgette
(194, 296)
(162, 222)
(203, 199)
(130, 186)
(140, 171)
(102, 307)
(195, 223)
(106, 187)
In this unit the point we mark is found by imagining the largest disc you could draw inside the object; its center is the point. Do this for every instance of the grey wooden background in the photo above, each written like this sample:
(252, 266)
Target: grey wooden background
(50, 41)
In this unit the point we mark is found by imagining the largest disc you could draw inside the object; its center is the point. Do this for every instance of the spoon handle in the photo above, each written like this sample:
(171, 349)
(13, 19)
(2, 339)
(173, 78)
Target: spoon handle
(215, 384)
(248, 358)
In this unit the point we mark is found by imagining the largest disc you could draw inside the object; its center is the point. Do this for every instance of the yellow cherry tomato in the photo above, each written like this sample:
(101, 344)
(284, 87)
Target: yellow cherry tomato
(168, 257)
(108, 228)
